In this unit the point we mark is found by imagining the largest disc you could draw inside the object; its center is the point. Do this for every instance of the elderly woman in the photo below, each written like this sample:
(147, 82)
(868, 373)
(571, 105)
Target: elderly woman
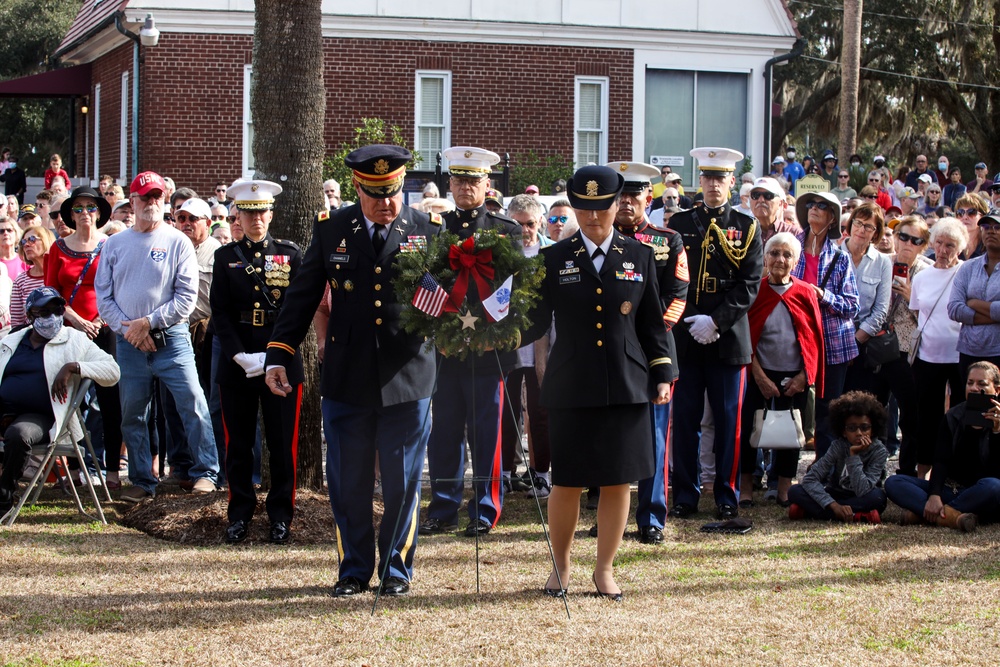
(873, 272)
(598, 383)
(932, 200)
(969, 209)
(33, 248)
(936, 363)
(10, 235)
(975, 300)
(828, 270)
(911, 237)
(786, 334)
(964, 488)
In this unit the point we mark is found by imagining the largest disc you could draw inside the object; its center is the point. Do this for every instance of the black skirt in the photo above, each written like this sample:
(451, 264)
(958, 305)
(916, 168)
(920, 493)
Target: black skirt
(601, 446)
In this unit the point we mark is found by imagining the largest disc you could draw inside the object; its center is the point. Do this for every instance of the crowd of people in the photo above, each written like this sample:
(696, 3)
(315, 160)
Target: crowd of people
(667, 322)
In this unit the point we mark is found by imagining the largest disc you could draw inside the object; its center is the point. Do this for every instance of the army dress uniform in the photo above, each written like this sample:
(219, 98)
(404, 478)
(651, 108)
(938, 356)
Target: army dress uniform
(249, 283)
(469, 401)
(377, 378)
(672, 278)
(725, 257)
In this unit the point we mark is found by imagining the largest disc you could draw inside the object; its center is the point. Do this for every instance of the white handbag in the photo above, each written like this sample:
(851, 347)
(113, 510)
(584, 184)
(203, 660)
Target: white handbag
(777, 429)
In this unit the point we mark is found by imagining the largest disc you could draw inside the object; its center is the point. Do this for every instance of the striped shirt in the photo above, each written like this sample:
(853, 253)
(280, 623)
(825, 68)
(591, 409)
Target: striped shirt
(24, 284)
(839, 304)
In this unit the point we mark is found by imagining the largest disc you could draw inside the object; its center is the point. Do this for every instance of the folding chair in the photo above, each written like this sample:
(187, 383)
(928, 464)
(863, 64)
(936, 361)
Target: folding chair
(60, 450)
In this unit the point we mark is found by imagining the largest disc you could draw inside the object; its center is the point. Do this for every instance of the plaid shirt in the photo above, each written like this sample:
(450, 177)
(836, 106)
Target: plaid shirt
(839, 305)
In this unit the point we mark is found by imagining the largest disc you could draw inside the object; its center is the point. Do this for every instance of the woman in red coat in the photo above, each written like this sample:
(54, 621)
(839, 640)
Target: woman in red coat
(786, 334)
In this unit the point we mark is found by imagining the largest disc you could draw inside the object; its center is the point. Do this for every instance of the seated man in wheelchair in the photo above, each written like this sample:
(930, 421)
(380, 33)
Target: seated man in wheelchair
(40, 369)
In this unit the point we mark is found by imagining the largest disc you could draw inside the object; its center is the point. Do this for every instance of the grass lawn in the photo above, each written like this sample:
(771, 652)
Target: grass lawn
(788, 593)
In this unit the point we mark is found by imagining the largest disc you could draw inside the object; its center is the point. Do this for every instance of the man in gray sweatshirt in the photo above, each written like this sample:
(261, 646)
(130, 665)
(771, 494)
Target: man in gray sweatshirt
(147, 286)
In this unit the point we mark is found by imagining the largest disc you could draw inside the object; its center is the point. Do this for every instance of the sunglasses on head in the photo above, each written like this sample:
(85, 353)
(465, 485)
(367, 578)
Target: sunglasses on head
(553, 219)
(757, 194)
(821, 205)
(907, 238)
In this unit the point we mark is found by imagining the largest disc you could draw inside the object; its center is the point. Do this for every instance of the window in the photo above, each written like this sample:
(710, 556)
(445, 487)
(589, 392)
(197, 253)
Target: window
(432, 116)
(591, 124)
(123, 137)
(97, 131)
(249, 166)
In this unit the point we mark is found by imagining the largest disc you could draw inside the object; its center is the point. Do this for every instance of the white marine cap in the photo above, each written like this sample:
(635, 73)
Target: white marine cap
(716, 160)
(253, 195)
(638, 175)
(470, 161)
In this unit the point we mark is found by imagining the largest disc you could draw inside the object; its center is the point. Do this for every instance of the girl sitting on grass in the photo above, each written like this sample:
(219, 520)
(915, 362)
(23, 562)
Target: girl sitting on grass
(843, 484)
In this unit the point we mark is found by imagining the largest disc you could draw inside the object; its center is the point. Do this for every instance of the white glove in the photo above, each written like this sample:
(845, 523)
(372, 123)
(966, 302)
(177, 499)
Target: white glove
(703, 328)
(252, 364)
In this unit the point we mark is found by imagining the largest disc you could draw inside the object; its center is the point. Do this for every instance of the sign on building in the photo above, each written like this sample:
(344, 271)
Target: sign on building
(811, 183)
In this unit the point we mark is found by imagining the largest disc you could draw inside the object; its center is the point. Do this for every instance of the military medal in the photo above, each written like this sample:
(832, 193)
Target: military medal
(276, 293)
(626, 307)
(349, 285)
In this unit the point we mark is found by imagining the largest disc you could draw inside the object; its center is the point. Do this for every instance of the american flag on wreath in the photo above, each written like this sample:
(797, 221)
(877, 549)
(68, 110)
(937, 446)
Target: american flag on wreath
(430, 297)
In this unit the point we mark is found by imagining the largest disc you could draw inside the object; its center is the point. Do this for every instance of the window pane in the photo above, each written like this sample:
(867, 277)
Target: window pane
(590, 106)
(722, 112)
(251, 163)
(589, 148)
(432, 101)
(670, 117)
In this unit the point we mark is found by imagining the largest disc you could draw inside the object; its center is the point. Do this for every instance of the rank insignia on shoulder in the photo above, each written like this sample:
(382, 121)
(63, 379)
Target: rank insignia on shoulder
(322, 215)
(436, 218)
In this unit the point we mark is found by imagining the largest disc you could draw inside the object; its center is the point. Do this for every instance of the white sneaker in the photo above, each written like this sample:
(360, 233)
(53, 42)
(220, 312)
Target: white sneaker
(204, 485)
(541, 488)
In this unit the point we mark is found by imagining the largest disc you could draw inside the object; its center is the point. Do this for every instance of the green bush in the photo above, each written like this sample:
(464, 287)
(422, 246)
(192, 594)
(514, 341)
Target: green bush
(371, 131)
(529, 168)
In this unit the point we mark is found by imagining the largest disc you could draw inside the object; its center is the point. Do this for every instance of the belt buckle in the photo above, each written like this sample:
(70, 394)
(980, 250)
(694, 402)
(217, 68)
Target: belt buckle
(258, 317)
(710, 284)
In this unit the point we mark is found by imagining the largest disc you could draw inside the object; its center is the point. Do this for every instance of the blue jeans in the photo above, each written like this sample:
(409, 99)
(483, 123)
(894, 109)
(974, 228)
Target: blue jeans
(175, 368)
(982, 498)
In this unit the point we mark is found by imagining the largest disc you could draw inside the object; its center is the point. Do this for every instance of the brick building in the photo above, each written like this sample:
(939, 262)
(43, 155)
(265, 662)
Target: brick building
(587, 79)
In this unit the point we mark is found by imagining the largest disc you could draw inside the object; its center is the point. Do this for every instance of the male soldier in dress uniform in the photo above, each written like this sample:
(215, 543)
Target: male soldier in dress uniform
(377, 379)
(672, 277)
(469, 396)
(249, 282)
(713, 343)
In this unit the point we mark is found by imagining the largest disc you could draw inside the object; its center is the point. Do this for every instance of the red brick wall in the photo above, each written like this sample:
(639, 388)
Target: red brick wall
(507, 98)
(106, 71)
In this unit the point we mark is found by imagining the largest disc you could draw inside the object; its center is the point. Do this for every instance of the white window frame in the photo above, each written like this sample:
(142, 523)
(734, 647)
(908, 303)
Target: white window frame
(603, 82)
(248, 171)
(97, 131)
(123, 136)
(445, 75)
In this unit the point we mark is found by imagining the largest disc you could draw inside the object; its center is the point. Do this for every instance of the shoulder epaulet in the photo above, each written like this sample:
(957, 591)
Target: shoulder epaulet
(322, 215)
(287, 242)
(436, 218)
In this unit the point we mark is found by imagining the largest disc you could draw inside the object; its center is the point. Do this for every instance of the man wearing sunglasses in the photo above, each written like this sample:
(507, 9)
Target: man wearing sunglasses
(560, 215)
(220, 196)
(767, 201)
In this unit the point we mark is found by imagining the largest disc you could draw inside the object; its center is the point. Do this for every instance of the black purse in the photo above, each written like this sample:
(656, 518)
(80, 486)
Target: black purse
(881, 349)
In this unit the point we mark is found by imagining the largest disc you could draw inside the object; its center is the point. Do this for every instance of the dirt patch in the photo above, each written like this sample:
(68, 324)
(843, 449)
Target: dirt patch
(200, 519)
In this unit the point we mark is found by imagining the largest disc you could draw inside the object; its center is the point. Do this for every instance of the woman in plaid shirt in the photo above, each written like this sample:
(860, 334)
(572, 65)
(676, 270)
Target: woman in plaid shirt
(824, 266)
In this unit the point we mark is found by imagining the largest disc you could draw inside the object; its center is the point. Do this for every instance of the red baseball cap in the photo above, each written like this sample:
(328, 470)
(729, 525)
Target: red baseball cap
(146, 181)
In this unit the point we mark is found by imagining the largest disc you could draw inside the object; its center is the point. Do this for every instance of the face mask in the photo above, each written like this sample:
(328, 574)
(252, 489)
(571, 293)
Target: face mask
(790, 155)
(13, 164)
(942, 166)
(855, 164)
(47, 327)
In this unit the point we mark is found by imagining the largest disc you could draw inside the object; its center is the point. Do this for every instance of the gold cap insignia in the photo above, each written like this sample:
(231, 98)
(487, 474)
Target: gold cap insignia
(711, 153)
(381, 167)
(623, 167)
(254, 187)
(468, 154)
(592, 188)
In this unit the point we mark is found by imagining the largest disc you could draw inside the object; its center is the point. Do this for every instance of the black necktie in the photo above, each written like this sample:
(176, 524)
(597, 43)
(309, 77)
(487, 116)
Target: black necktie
(597, 253)
(378, 241)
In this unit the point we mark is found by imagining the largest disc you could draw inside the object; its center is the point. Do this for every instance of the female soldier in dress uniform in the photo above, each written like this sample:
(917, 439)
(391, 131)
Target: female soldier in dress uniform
(248, 288)
(608, 360)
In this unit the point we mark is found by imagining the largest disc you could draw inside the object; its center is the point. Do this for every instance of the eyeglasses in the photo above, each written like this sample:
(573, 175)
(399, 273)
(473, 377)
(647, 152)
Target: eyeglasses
(553, 219)
(843, 175)
(670, 198)
(768, 196)
(871, 196)
(967, 211)
(989, 226)
(7, 230)
(184, 217)
(89, 208)
(220, 189)
(150, 196)
(867, 228)
(821, 205)
(230, 218)
(218, 217)
(854, 428)
(915, 240)
(29, 239)
(874, 180)
(54, 215)
(995, 189)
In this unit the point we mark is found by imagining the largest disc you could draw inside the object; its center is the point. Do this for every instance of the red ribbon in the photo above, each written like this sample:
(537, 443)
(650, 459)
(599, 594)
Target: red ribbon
(464, 259)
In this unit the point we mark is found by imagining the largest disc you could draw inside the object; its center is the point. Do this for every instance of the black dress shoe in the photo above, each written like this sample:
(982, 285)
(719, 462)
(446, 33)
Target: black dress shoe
(477, 528)
(554, 592)
(593, 531)
(280, 532)
(237, 531)
(394, 586)
(650, 535)
(593, 497)
(349, 586)
(726, 512)
(614, 597)
(434, 526)
(681, 511)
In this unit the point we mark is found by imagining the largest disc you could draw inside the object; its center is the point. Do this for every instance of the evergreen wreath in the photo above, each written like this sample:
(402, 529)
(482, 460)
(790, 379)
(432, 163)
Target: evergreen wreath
(457, 333)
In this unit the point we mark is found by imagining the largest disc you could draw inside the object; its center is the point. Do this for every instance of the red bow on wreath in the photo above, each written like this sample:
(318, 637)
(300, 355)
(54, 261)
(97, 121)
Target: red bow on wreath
(464, 259)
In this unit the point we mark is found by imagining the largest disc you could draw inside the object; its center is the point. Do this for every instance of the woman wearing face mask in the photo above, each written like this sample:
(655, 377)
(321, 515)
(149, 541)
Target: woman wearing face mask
(40, 366)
